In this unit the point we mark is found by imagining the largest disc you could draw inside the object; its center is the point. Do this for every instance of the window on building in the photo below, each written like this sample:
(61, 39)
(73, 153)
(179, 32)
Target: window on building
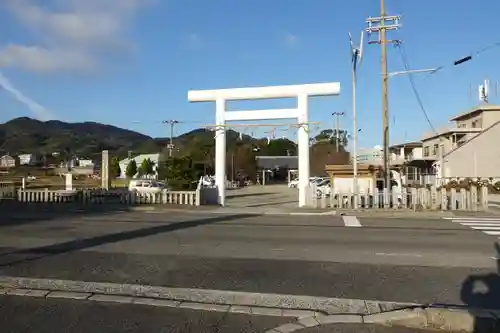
(462, 125)
(426, 151)
(435, 149)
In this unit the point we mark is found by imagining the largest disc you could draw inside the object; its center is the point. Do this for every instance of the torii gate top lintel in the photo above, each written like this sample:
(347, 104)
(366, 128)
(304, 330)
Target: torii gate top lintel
(269, 92)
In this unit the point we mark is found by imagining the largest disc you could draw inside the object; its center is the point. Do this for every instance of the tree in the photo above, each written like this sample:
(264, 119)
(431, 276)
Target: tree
(181, 173)
(131, 170)
(146, 167)
(330, 136)
(17, 161)
(114, 168)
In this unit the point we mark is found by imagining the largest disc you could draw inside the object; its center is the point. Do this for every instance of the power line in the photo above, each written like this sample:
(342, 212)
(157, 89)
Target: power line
(407, 67)
(469, 57)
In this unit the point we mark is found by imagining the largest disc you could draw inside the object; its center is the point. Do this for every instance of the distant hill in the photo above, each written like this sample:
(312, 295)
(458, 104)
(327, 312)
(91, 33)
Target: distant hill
(26, 135)
(88, 139)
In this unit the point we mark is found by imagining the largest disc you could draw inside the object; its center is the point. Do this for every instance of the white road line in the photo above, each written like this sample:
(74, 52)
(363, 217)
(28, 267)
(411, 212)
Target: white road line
(399, 254)
(487, 225)
(481, 224)
(351, 221)
(472, 218)
(492, 233)
(484, 228)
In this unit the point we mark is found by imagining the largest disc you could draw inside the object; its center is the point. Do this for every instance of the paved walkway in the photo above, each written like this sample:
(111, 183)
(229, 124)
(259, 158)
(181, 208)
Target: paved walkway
(268, 196)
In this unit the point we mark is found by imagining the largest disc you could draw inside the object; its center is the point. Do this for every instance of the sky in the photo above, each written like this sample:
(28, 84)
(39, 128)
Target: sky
(130, 63)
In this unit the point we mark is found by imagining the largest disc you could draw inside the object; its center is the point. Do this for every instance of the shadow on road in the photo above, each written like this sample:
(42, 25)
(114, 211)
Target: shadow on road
(85, 243)
(13, 213)
(483, 292)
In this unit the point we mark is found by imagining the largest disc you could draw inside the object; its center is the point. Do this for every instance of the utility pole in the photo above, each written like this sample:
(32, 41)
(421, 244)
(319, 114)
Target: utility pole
(337, 127)
(381, 25)
(356, 58)
(172, 124)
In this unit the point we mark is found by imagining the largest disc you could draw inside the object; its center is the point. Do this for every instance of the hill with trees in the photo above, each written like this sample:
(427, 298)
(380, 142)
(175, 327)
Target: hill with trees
(26, 135)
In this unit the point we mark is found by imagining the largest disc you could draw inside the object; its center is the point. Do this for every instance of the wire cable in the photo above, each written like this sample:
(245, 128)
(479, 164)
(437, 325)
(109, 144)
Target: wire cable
(407, 67)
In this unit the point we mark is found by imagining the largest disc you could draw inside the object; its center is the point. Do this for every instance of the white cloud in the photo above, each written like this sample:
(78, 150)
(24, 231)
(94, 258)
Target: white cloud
(70, 34)
(38, 111)
(291, 39)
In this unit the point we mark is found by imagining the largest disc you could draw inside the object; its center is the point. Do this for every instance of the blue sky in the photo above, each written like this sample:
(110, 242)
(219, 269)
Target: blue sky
(130, 63)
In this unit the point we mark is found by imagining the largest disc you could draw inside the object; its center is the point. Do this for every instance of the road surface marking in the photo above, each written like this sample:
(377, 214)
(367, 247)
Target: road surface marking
(487, 225)
(398, 254)
(479, 224)
(351, 221)
(472, 218)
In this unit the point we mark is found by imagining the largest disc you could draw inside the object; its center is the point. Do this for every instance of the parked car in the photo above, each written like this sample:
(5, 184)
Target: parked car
(294, 183)
(323, 188)
(146, 186)
(312, 180)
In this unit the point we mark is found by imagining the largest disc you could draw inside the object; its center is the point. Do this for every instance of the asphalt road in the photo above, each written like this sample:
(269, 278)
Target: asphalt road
(424, 261)
(34, 315)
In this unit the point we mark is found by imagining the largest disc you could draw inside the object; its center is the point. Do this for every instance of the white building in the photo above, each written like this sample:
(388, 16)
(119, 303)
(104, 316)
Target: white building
(85, 163)
(373, 156)
(138, 160)
(27, 159)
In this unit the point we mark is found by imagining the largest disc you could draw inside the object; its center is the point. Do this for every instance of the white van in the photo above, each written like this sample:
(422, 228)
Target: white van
(146, 186)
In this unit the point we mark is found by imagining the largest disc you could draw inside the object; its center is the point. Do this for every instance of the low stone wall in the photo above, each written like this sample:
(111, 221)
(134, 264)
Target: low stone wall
(191, 198)
(475, 198)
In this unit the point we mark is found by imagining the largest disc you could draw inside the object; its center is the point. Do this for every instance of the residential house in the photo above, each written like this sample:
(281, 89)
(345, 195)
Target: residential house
(407, 159)
(7, 161)
(138, 160)
(28, 159)
(474, 152)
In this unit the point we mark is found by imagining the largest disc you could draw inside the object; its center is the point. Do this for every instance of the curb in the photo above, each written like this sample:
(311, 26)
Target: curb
(246, 211)
(308, 310)
(451, 320)
(398, 214)
(324, 305)
(243, 210)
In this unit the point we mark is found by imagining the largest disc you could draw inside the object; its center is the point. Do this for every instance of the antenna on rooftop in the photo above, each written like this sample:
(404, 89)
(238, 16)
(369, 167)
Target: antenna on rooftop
(485, 91)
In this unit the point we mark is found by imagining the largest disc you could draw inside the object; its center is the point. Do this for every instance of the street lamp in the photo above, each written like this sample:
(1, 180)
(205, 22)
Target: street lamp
(356, 58)
(427, 70)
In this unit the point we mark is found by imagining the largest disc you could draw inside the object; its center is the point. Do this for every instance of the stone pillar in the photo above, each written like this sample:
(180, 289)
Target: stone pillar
(220, 151)
(105, 180)
(303, 142)
(69, 182)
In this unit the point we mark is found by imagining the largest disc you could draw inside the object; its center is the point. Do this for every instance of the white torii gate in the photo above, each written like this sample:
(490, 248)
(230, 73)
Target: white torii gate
(301, 112)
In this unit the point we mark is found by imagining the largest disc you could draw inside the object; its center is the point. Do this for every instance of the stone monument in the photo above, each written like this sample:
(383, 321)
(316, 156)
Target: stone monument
(105, 180)
(69, 182)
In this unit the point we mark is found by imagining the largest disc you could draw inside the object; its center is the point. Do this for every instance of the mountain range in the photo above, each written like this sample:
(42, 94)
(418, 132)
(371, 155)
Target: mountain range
(27, 135)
